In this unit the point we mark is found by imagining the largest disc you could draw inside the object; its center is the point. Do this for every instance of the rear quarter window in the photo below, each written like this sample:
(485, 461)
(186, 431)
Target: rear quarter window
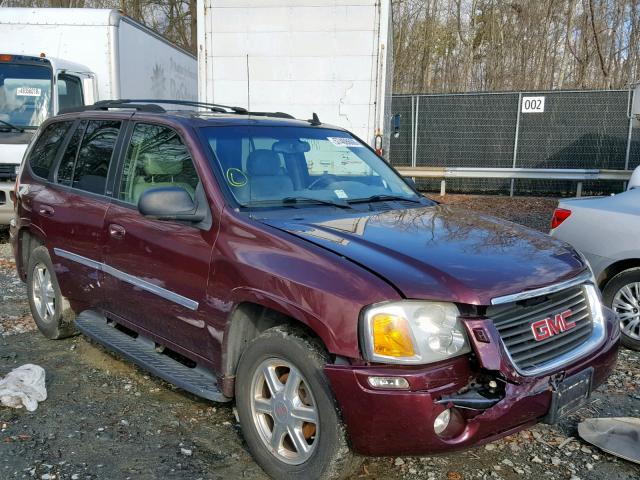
(43, 153)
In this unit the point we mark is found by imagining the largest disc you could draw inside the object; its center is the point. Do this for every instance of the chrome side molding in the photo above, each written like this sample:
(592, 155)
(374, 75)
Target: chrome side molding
(130, 279)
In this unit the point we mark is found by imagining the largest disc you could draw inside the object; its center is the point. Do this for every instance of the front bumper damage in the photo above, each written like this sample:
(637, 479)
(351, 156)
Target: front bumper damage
(401, 422)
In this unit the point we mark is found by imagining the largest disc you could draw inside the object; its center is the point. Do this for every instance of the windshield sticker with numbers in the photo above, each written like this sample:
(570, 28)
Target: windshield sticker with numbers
(28, 92)
(344, 142)
(341, 194)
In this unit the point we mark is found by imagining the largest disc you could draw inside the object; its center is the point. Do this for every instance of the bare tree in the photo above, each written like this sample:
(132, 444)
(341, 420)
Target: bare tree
(175, 19)
(471, 45)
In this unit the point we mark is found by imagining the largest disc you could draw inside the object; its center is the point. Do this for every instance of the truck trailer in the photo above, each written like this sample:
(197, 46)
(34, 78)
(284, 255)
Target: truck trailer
(329, 57)
(57, 58)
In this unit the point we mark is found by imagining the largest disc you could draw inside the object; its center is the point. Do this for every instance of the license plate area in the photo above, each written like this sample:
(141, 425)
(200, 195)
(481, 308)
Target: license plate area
(569, 395)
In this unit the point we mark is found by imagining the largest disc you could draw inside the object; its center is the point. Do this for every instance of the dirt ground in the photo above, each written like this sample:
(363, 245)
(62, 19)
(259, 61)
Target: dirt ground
(104, 418)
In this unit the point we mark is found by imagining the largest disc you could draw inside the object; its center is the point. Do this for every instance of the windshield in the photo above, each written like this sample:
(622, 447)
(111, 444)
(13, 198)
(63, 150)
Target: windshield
(25, 94)
(265, 165)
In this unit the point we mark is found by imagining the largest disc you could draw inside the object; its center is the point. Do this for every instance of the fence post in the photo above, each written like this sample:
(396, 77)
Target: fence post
(629, 134)
(413, 131)
(515, 143)
(414, 161)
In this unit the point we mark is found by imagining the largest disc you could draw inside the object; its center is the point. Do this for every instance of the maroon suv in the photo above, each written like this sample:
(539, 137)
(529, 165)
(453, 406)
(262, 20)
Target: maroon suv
(281, 263)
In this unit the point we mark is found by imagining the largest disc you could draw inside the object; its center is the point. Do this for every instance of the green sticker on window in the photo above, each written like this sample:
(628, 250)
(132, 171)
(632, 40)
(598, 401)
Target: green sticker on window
(236, 177)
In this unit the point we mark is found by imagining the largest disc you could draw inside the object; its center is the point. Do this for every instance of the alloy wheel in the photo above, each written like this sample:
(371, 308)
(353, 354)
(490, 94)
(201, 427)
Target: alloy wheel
(284, 411)
(44, 297)
(626, 303)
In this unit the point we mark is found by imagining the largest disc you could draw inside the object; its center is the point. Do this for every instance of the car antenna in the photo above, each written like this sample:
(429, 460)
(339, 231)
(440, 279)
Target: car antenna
(315, 120)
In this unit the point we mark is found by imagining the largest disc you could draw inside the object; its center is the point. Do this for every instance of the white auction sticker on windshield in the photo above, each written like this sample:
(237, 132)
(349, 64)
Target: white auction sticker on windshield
(345, 142)
(341, 194)
(28, 92)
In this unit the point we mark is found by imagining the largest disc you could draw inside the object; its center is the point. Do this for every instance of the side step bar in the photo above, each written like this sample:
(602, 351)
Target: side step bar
(141, 351)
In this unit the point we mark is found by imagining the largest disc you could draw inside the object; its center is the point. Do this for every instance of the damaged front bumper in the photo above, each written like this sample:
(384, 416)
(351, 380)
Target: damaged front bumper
(401, 422)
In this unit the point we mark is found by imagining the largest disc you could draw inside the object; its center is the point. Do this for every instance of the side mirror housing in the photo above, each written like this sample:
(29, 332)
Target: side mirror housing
(169, 203)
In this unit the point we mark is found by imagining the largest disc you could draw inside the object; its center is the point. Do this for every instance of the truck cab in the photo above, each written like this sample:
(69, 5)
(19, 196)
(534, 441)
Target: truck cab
(32, 89)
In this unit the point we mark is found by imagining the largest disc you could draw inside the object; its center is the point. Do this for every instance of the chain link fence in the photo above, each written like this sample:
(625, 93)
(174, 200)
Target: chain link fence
(555, 129)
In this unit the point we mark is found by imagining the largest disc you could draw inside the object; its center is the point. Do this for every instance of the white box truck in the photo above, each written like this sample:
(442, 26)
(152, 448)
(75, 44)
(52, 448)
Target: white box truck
(331, 57)
(55, 58)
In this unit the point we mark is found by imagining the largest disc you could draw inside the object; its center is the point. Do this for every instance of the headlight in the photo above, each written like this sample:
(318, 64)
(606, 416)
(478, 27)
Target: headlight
(413, 332)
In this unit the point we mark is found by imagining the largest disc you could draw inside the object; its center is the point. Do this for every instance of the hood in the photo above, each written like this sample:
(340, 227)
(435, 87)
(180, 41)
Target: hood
(441, 253)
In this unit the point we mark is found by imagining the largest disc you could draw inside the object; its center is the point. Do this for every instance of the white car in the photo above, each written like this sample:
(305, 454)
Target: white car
(607, 232)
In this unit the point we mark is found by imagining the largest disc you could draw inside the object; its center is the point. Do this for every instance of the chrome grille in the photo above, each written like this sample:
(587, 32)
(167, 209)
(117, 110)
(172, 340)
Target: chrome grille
(513, 321)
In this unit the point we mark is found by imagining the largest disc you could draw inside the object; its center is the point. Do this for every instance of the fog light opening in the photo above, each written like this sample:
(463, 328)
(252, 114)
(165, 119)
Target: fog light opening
(449, 424)
(394, 383)
(441, 422)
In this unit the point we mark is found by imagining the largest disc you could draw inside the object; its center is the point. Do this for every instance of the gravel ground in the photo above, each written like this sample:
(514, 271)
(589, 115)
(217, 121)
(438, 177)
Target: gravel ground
(107, 419)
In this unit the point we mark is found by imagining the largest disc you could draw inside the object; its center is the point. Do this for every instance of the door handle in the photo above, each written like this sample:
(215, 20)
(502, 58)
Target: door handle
(117, 231)
(46, 211)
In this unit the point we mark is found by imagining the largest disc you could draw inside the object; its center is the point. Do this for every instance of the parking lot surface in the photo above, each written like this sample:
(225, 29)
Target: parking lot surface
(106, 419)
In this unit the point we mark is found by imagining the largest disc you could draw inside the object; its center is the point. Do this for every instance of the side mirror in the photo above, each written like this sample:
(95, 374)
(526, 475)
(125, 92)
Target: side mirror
(411, 182)
(169, 203)
(396, 125)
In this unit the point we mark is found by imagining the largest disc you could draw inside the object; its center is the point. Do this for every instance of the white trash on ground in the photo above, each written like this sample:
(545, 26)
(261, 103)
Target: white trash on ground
(619, 436)
(23, 387)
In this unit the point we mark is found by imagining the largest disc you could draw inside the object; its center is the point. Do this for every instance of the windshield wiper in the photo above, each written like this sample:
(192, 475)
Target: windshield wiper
(382, 198)
(12, 126)
(299, 200)
(322, 201)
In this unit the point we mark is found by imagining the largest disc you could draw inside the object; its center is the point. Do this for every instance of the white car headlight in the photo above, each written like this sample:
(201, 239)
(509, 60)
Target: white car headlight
(413, 332)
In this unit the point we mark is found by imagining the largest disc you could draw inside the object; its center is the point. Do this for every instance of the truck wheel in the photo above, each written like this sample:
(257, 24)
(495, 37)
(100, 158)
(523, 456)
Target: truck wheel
(49, 308)
(287, 412)
(622, 295)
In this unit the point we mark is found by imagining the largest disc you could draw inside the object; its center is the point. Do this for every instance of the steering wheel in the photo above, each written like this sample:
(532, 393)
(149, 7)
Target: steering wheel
(324, 180)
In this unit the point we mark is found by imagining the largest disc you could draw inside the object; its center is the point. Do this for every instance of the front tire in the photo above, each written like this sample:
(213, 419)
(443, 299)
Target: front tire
(49, 308)
(287, 411)
(622, 295)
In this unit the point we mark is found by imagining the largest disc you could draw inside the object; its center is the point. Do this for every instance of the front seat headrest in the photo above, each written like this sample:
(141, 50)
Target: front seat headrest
(155, 164)
(263, 162)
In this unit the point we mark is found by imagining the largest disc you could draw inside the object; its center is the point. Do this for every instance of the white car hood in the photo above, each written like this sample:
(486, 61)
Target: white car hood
(12, 153)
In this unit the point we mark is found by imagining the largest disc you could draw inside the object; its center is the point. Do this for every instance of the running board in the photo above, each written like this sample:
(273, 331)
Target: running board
(142, 351)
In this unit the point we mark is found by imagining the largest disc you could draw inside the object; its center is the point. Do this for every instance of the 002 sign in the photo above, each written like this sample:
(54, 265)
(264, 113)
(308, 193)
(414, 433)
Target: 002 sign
(532, 104)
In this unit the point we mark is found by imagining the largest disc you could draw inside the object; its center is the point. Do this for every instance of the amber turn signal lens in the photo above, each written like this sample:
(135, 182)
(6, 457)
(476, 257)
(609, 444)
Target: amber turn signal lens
(391, 336)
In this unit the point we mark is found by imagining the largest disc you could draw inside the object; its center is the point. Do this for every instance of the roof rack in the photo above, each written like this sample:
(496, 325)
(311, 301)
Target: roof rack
(152, 105)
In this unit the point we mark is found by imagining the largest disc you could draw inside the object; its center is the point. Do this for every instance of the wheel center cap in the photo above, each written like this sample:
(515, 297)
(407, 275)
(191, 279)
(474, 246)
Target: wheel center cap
(281, 411)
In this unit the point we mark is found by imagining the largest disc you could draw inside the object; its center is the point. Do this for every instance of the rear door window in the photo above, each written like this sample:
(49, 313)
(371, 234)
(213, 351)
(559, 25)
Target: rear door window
(44, 151)
(87, 158)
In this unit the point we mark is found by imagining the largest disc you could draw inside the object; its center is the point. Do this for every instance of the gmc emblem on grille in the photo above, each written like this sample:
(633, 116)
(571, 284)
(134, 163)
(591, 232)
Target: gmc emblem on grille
(552, 326)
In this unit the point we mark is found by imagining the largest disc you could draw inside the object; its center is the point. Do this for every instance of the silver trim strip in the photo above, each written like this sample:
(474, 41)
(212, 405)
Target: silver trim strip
(132, 280)
(585, 277)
